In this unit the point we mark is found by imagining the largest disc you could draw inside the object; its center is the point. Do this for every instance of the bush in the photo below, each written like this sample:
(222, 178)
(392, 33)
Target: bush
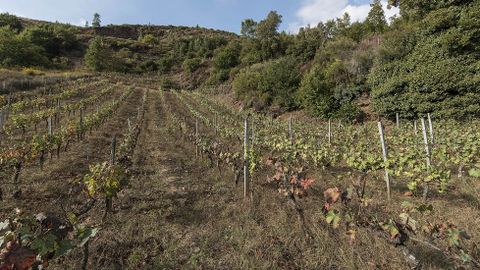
(16, 51)
(349, 111)
(270, 83)
(431, 68)
(218, 76)
(191, 65)
(148, 66)
(99, 56)
(149, 39)
(316, 94)
(11, 21)
(54, 38)
(227, 57)
(165, 64)
(61, 62)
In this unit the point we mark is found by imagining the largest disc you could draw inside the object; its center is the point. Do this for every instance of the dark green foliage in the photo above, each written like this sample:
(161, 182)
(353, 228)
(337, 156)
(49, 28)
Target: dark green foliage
(149, 66)
(270, 83)
(165, 64)
(191, 65)
(316, 94)
(224, 59)
(376, 22)
(349, 111)
(12, 21)
(248, 28)
(54, 38)
(227, 57)
(306, 43)
(100, 57)
(266, 43)
(96, 20)
(431, 68)
(15, 50)
(268, 28)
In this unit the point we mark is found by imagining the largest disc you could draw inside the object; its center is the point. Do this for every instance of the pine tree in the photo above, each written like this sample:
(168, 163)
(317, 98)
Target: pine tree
(96, 20)
(248, 28)
(98, 56)
(376, 21)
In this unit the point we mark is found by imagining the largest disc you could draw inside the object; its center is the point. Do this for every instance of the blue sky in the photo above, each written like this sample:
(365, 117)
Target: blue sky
(218, 14)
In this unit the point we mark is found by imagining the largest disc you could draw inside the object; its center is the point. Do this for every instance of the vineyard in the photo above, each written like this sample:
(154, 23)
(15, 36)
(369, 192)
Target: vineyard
(114, 172)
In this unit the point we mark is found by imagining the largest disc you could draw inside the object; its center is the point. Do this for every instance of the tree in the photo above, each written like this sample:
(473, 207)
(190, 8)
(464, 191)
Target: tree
(12, 21)
(15, 50)
(416, 9)
(191, 65)
(376, 21)
(248, 28)
(227, 57)
(270, 83)
(52, 37)
(430, 67)
(268, 28)
(86, 24)
(98, 56)
(96, 20)
(315, 94)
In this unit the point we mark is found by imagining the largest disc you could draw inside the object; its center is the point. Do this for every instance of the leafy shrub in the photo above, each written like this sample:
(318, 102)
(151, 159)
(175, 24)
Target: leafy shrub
(437, 74)
(165, 64)
(227, 57)
(191, 65)
(61, 62)
(149, 66)
(349, 111)
(315, 93)
(11, 21)
(218, 76)
(270, 83)
(16, 51)
(99, 57)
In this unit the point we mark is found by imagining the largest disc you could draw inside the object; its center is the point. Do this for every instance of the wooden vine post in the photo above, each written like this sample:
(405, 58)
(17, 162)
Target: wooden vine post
(57, 113)
(196, 137)
(397, 117)
(7, 113)
(50, 131)
(113, 149)
(253, 132)
(415, 128)
(290, 132)
(246, 163)
(80, 135)
(430, 127)
(108, 200)
(1, 120)
(329, 131)
(427, 152)
(384, 154)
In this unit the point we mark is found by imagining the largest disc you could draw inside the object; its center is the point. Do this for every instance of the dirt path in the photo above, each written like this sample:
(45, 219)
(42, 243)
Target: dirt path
(163, 217)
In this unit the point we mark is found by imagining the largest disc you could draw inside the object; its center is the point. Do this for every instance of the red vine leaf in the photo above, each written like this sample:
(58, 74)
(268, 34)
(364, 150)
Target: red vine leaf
(307, 183)
(332, 195)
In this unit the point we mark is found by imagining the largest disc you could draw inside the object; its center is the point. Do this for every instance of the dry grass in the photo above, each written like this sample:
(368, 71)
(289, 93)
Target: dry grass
(180, 213)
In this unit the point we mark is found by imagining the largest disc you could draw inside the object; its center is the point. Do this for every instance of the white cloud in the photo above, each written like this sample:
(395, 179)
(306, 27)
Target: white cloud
(314, 11)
